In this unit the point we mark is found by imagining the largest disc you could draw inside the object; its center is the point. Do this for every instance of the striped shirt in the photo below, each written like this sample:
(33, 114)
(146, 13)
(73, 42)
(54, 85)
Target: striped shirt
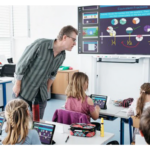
(36, 65)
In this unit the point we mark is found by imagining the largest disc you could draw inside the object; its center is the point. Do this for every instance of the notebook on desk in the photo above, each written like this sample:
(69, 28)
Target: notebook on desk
(45, 131)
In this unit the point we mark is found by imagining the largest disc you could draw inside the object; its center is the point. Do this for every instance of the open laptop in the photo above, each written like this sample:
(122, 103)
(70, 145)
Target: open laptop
(2, 120)
(100, 100)
(45, 131)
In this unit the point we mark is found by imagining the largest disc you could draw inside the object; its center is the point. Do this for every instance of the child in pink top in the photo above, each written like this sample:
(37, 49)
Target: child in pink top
(77, 100)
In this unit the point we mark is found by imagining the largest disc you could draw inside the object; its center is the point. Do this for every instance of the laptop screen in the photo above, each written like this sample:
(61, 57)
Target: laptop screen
(1, 123)
(45, 132)
(99, 100)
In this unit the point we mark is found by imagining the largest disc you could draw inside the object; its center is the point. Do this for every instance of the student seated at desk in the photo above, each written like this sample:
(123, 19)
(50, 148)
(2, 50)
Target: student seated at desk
(17, 125)
(77, 100)
(145, 125)
(142, 103)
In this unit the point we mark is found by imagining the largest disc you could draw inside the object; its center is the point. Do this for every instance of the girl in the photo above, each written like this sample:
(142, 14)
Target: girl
(77, 100)
(139, 105)
(17, 126)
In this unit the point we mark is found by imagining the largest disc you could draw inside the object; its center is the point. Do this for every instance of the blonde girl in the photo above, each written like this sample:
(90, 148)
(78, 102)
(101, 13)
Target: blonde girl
(77, 100)
(17, 125)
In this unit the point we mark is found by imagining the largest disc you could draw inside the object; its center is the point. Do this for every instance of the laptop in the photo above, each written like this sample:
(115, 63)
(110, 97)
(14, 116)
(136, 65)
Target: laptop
(100, 100)
(2, 120)
(45, 131)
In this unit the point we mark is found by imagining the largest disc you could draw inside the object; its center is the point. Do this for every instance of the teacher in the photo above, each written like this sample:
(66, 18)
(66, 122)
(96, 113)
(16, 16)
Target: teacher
(38, 66)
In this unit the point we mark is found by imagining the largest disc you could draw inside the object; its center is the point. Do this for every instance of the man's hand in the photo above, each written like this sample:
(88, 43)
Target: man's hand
(49, 84)
(17, 87)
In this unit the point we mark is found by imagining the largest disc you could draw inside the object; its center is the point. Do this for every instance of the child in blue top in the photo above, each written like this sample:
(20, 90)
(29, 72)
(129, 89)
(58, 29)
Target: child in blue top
(17, 125)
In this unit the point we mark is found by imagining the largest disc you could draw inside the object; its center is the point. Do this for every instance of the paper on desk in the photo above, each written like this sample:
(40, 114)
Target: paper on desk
(125, 110)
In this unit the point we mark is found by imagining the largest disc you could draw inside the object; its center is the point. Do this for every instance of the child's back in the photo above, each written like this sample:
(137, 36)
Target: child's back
(77, 100)
(77, 105)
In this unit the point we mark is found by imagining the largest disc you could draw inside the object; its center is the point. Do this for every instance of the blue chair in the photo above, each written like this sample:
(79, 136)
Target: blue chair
(133, 122)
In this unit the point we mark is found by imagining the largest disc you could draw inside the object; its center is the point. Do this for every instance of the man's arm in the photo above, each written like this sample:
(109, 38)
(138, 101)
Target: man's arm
(26, 59)
(16, 87)
(49, 84)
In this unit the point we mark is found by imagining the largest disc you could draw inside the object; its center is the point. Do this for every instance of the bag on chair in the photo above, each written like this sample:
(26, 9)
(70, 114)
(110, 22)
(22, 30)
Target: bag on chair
(82, 129)
(127, 102)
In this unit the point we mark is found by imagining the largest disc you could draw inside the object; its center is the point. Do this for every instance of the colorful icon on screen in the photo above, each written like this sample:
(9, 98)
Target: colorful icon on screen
(147, 28)
(123, 21)
(136, 20)
(139, 38)
(129, 30)
(114, 21)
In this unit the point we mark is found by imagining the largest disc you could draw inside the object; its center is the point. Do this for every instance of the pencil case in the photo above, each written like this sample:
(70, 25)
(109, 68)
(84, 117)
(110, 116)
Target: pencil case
(82, 129)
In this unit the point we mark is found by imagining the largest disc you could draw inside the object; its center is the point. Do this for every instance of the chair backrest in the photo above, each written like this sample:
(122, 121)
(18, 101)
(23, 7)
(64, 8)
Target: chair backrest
(8, 70)
(10, 60)
(133, 122)
(69, 117)
(113, 143)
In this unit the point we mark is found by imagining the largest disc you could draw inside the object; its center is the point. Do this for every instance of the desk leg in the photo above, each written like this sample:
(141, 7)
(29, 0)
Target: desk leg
(121, 131)
(4, 94)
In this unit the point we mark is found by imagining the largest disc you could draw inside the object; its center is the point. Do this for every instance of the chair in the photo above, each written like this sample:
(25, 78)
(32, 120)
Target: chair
(8, 70)
(69, 117)
(133, 122)
(10, 60)
(113, 143)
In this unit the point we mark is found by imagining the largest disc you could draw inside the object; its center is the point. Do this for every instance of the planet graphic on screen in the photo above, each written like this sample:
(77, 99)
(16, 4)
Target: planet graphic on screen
(147, 28)
(123, 21)
(113, 33)
(114, 21)
(129, 30)
(109, 29)
(139, 38)
(136, 20)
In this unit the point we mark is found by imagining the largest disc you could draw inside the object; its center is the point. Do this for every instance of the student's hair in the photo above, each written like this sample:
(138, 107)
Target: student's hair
(17, 121)
(67, 30)
(145, 89)
(76, 86)
(145, 124)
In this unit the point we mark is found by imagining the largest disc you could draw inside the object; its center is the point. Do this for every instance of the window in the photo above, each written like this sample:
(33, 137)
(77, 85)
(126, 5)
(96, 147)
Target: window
(20, 21)
(14, 23)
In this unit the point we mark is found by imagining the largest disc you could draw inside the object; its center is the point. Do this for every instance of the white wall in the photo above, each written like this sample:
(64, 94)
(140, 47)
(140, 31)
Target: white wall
(116, 80)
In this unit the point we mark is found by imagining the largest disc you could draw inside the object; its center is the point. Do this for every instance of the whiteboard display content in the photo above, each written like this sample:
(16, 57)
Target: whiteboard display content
(114, 29)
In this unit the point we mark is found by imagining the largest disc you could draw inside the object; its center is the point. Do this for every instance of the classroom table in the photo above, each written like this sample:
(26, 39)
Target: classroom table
(139, 140)
(113, 112)
(62, 131)
(4, 81)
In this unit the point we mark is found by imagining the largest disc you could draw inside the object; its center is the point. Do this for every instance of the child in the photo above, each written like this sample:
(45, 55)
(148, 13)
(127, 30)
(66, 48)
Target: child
(145, 125)
(141, 104)
(17, 125)
(77, 100)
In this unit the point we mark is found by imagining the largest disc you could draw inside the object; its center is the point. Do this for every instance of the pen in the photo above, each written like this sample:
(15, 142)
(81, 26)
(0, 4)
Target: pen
(67, 139)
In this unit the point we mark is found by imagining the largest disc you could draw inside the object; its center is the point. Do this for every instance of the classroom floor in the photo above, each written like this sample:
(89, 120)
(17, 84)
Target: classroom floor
(109, 126)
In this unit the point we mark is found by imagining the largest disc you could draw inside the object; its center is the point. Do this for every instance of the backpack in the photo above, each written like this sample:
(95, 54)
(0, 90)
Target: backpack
(127, 102)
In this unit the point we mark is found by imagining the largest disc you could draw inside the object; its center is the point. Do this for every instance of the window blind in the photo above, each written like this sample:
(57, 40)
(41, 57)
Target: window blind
(14, 23)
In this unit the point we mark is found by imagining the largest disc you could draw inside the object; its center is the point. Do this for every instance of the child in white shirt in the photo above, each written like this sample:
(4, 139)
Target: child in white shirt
(139, 105)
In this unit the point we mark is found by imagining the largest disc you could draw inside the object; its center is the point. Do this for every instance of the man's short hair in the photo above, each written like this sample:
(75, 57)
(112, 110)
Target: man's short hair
(67, 30)
(145, 124)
